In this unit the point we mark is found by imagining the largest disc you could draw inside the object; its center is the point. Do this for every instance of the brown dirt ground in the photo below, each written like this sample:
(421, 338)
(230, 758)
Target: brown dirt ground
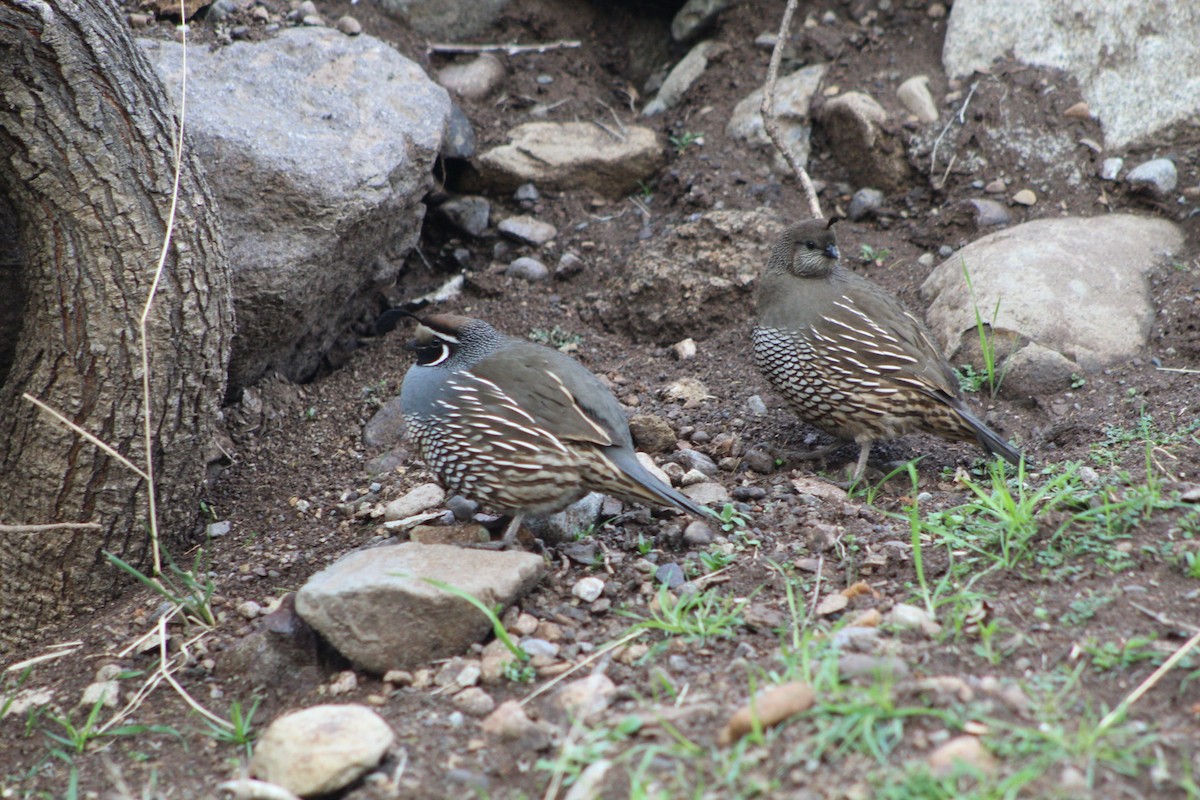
(309, 444)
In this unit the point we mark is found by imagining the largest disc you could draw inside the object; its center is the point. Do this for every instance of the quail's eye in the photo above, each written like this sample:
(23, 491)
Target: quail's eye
(810, 245)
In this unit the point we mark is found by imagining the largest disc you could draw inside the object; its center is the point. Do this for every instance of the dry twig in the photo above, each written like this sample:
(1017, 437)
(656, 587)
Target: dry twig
(510, 49)
(771, 125)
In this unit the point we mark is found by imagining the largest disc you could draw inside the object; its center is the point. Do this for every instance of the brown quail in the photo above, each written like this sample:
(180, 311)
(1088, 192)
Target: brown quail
(517, 426)
(849, 358)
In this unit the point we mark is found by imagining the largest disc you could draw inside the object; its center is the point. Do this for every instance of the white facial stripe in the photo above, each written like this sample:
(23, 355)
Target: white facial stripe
(445, 354)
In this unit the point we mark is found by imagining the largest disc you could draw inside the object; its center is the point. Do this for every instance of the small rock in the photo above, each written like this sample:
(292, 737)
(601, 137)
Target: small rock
(569, 265)
(509, 723)
(588, 589)
(967, 750)
(1110, 168)
(694, 459)
(416, 501)
(349, 25)
(474, 701)
(692, 477)
(646, 461)
(1025, 197)
(707, 494)
(386, 427)
(528, 230)
(541, 652)
(1158, 177)
(856, 638)
(989, 213)
(528, 269)
(107, 693)
(755, 405)
(651, 433)
(590, 783)
(459, 140)
(695, 17)
(215, 530)
(684, 350)
(585, 696)
(321, 749)
(1078, 111)
(915, 95)
(866, 202)
(759, 459)
(475, 79)
(494, 661)
(343, 683)
(907, 617)
(526, 193)
(688, 391)
(698, 534)
(462, 508)
(249, 609)
(469, 214)
(832, 604)
(567, 524)
(771, 707)
(861, 665)
(670, 575)
(997, 186)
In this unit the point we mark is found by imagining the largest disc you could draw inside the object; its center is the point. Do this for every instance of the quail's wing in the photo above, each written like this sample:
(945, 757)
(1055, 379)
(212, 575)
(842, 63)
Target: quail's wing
(554, 392)
(873, 331)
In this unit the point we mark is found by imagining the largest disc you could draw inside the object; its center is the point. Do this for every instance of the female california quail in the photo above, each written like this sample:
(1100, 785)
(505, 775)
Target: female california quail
(518, 426)
(849, 358)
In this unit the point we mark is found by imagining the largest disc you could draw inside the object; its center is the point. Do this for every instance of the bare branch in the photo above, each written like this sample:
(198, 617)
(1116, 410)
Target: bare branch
(771, 125)
(510, 49)
(52, 526)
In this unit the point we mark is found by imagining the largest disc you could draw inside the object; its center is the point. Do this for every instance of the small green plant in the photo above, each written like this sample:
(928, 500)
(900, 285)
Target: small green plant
(644, 545)
(696, 616)
(1107, 656)
(968, 379)
(191, 590)
(685, 140)
(715, 559)
(646, 190)
(493, 616)
(987, 342)
(555, 337)
(77, 737)
(518, 671)
(12, 686)
(731, 519)
(872, 255)
(1078, 381)
(240, 731)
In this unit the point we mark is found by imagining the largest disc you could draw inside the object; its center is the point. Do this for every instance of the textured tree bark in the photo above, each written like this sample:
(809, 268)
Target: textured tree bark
(86, 170)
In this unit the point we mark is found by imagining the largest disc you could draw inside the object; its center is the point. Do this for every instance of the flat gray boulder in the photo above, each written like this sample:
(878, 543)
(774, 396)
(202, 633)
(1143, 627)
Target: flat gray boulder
(1077, 287)
(1137, 63)
(374, 608)
(320, 147)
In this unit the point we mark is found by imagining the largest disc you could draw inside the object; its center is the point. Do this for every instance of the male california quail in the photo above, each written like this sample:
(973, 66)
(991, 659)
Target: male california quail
(849, 358)
(518, 426)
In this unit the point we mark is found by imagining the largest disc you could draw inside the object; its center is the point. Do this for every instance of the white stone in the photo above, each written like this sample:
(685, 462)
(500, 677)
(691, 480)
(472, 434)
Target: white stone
(585, 696)
(682, 76)
(321, 749)
(915, 95)
(475, 79)
(646, 461)
(588, 589)
(107, 693)
(415, 501)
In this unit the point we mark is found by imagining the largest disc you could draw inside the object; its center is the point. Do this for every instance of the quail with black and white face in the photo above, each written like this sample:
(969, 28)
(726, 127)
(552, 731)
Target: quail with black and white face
(849, 358)
(517, 426)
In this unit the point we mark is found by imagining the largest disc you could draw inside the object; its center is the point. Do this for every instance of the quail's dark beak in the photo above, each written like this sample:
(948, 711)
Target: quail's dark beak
(831, 251)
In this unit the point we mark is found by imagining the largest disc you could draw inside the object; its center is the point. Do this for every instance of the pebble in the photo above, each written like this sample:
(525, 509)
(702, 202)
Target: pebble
(997, 186)
(1025, 197)
(861, 665)
(832, 604)
(648, 463)
(651, 433)
(216, 530)
(748, 494)
(670, 574)
(585, 696)
(349, 25)
(588, 589)
(321, 749)
(474, 701)
(907, 617)
(1079, 110)
(856, 638)
(249, 609)
(469, 213)
(1110, 168)
(964, 749)
(569, 265)
(462, 508)
(541, 652)
(510, 723)
(759, 459)
(698, 534)
(105, 692)
(528, 230)
(343, 683)
(927, 259)
(708, 494)
(989, 213)
(694, 459)
(528, 269)
(475, 79)
(685, 349)
(866, 202)
(914, 94)
(416, 501)
(527, 193)
(771, 707)
(755, 405)
(1158, 177)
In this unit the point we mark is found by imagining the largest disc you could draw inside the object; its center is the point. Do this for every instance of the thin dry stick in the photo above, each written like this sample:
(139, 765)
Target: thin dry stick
(103, 446)
(511, 49)
(812, 608)
(51, 526)
(70, 648)
(962, 120)
(771, 125)
(1147, 684)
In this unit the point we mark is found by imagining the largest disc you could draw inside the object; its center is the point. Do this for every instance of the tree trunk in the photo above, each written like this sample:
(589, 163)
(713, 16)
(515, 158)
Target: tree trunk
(86, 171)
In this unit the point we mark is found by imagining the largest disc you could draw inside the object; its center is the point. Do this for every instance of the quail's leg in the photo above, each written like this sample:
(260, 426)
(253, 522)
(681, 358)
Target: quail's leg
(508, 540)
(860, 468)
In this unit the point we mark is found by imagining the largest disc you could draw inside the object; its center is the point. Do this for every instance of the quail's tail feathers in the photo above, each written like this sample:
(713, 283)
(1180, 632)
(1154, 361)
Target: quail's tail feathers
(989, 440)
(632, 480)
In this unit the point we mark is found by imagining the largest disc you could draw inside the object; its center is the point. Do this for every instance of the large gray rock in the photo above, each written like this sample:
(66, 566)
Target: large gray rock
(793, 99)
(453, 20)
(1148, 77)
(320, 147)
(683, 75)
(691, 280)
(375, 609)
(863, 142)
(567, 155)
(1074, 286)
